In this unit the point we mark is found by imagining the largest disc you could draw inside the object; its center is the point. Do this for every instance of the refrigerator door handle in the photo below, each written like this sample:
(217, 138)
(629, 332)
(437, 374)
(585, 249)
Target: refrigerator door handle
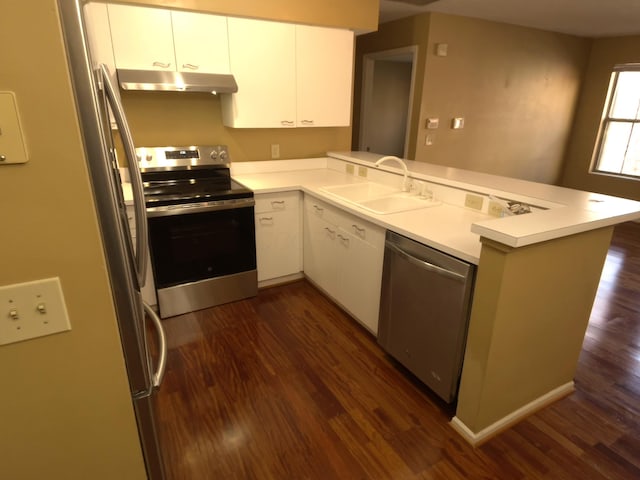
(142, 246)
(158, 375)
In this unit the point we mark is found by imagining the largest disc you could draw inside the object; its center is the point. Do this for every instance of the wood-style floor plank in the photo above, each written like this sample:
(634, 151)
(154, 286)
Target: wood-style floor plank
(287, 386)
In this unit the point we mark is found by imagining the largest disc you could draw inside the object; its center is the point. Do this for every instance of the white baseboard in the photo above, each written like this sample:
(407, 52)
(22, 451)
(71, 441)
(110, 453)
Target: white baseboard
(504, 423)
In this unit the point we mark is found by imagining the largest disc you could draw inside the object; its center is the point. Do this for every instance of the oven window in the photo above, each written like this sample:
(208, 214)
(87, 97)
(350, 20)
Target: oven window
(197, 246)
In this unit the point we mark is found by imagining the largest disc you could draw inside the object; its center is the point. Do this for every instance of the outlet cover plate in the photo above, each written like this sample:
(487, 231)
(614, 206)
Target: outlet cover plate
(473, 201)
(32, 309)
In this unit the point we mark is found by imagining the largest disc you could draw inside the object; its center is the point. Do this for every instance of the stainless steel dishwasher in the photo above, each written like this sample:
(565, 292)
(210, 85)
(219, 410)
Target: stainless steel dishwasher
(424, 312)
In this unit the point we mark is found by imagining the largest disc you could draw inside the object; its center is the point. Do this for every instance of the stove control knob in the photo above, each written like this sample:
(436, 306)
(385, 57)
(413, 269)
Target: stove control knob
(214, 155)
(149, 157)
(223, 155)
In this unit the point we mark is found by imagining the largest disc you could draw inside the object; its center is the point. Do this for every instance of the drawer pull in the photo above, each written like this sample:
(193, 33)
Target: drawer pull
(331, 232)
(318, 209)
(266, 219)
(277, 203)
(345, 240)
(190, 66)
(287, 123)
(161, 64)
(357, 228)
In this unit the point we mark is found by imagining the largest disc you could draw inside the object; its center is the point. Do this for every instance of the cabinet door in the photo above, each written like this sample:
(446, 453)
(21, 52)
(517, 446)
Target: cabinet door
(142, 37)
(201, 43)
(324, 71)
(360, 279)
(278, 235)
(321, 263)
(262, 59)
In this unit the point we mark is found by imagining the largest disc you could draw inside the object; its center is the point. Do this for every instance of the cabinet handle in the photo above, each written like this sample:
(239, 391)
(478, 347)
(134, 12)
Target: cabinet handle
(357, 228)
(345, 240)
(318, 209)
(266, 219)
(288, 123)
(331, 232)
(277, 203)
(161, 64)
(306, 122)
(190, 66)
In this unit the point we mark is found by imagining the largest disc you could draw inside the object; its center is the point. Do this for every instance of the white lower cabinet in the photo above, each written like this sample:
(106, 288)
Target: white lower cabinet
(343, 255)
(278, 235)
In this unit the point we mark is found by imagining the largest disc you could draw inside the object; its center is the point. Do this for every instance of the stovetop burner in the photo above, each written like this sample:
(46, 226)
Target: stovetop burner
(184, 175)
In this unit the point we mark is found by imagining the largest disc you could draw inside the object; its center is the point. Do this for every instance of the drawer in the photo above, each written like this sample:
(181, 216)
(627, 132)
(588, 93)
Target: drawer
(277, 202)
(320, 209)
(367, 231)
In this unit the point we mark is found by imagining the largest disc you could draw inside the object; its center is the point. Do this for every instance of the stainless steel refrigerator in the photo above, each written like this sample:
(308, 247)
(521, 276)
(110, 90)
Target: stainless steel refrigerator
(95, 97)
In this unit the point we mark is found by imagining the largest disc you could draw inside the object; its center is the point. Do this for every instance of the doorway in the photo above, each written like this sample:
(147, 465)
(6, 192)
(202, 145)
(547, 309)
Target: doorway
(388, 79)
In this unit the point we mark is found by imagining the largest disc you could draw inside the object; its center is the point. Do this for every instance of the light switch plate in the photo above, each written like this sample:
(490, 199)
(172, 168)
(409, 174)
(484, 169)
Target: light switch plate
(32, 309)
(13, 148)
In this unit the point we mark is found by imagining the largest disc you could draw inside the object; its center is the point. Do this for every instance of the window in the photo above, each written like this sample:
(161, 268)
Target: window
(618, 150)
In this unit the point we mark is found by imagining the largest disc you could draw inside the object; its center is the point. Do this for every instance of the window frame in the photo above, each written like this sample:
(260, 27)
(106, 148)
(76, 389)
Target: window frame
(607, 119)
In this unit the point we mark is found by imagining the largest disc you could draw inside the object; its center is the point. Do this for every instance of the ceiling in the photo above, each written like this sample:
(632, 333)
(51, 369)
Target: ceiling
(585, 18)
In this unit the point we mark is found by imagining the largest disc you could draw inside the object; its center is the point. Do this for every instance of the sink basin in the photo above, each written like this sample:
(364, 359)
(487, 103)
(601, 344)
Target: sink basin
(396, 203)
(378, 198)
(357, 192)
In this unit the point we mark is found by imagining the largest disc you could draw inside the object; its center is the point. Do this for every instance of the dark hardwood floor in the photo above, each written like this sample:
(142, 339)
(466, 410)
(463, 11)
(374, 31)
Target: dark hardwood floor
(287, 386)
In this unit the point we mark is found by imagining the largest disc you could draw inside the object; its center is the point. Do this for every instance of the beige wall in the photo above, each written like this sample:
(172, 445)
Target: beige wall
(605, 53)
(359, 15)
(169, 118)
(401, 33)
(525, 331)
(516, 88)
(65, 408)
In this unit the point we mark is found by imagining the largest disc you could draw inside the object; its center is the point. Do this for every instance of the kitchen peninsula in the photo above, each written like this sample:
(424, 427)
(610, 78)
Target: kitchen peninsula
(537, 274)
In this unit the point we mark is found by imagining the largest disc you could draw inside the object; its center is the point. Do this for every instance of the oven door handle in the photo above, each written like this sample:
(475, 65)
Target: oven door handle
(142, 245)
(187, 209)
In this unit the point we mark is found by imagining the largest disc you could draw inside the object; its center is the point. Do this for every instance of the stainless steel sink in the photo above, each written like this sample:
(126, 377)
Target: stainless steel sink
(378, 198)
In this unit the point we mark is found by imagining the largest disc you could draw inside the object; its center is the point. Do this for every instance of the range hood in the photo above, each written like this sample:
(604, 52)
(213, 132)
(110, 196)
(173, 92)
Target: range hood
(162, 80)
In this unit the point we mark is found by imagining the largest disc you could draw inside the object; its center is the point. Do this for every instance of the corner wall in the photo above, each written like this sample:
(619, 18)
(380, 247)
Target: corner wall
(606, 53)
(517, 89)
(65, 410)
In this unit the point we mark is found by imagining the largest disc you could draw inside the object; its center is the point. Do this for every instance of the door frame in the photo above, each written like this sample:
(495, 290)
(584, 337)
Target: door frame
(368, 66)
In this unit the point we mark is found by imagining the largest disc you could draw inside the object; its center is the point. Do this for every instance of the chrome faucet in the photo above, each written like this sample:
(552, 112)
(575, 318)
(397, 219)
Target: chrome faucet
(405, 183)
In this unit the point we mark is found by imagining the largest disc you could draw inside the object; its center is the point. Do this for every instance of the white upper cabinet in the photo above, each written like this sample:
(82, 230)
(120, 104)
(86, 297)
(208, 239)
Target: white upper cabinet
(262, 57)
(288, 75)
(156, 39)
(142, 38)
(324, 73)
(200, 42)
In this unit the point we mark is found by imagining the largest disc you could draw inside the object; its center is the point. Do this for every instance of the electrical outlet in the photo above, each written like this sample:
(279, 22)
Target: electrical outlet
(473, 201)
(495, 209)
(350, 168)
(275, 150)
(32, 309)
(362, 171)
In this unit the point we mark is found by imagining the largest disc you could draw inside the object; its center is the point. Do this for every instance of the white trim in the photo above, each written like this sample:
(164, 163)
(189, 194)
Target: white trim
(272, 282)
(504, 423)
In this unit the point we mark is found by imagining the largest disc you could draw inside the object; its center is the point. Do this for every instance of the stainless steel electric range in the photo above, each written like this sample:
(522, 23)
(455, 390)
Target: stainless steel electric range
(201, 228)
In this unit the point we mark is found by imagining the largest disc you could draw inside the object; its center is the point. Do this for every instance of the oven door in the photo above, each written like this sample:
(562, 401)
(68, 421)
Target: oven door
(203, 258)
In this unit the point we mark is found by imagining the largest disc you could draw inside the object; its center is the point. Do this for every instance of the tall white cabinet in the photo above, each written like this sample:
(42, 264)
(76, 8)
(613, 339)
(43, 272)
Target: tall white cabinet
(262, 57)
(288, 75)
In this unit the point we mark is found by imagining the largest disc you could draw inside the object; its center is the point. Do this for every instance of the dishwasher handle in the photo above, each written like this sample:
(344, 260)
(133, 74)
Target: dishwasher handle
(423, 264)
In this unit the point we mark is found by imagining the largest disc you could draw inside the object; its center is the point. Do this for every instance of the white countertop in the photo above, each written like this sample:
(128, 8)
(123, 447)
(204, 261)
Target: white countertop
(449, 227)
(570, 211)
(445, 227)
